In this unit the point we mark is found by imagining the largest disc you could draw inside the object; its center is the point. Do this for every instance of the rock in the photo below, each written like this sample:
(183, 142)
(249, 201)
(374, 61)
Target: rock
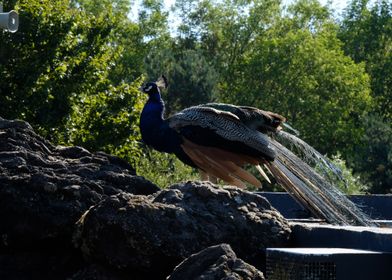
(215, 262)
(67, 213)
(153, 234)
(45, 189)
(50, 262)
(97, 272)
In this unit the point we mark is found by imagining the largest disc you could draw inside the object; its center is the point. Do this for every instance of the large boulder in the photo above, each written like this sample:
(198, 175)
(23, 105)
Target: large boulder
(150, 235)
(215, 262)
(98, 272)
(67, 213)
(45, 189)
(45, 263)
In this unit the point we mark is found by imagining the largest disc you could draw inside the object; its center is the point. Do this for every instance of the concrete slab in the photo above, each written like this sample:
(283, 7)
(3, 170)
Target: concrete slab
(353, 237)
(323, 251)
(327, 264)
(378, 207)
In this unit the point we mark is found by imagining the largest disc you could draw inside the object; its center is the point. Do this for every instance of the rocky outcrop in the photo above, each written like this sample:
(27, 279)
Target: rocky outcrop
(45, 189)
(215, 262)
(67, 213)
(150, 235)
(98, 272)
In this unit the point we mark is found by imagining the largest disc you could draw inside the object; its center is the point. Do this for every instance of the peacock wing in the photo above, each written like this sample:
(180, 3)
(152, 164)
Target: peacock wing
(213, 127)
(253, 117)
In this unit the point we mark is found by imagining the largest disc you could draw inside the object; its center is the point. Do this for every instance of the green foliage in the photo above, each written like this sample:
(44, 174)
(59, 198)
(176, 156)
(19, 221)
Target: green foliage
(297, 68)
(306, 78)
(367, 36)
(225, 30)
(164, 169)
(73, 69)
(129, 38)
(64, 73)
(153, 20)
(108, 121)
(352, 183)
(119, 7)
(192, 80)
(57, 54)
(373, 157)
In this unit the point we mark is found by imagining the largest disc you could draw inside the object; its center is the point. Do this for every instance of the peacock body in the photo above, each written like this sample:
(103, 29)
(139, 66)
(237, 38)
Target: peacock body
(216, 138)
(219, 139)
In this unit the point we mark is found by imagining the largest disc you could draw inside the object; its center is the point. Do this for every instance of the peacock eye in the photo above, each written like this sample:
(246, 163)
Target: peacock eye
(147, 88)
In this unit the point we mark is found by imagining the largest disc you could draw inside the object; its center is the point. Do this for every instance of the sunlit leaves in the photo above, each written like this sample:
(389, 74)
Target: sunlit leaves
(108, 120)
(367, 36)
(56, 72)
(57, 53)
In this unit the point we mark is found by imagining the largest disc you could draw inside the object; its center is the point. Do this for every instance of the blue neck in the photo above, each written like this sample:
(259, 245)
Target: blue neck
(154, 129)
(153, 111)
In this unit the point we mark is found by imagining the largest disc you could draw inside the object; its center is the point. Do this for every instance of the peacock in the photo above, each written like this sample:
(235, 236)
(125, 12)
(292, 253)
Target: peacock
(220, 139)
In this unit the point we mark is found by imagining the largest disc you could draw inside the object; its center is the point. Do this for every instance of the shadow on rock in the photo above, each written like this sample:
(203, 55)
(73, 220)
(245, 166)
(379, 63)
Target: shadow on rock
(151, 235)
(67, 213)
(44, 190)
(215, 262)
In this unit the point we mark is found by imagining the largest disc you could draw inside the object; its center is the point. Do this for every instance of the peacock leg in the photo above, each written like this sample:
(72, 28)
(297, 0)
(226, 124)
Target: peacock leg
(213, 179)
(203, 175)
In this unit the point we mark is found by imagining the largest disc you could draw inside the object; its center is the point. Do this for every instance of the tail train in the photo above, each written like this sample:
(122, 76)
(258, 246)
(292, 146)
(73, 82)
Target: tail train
(313, 190)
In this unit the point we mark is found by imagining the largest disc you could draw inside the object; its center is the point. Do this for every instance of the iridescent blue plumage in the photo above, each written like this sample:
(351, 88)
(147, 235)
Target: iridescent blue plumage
(218, 139)
(152, 124)
(155, 130)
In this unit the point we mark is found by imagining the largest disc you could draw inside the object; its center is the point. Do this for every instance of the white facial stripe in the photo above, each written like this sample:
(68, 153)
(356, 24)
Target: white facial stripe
(148, 89)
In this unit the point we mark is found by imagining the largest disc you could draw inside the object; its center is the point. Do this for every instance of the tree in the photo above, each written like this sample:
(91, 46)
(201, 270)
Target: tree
(192, 79)
(58, 53)
(108, 120)
(57, 70)
(321, 92)
(367, 37)
(225, 30)
(298, 69)
(120, 8)
(373, 157)
(133, 38)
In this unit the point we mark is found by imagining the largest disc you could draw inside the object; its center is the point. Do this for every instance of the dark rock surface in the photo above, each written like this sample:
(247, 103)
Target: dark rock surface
(44, 190)
(97, 272)
(67, 213)
(153, 234)
(55, 262)
(215, 262)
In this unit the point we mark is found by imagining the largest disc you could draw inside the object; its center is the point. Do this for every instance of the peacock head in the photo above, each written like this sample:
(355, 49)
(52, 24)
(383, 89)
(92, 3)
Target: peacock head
(154, 87)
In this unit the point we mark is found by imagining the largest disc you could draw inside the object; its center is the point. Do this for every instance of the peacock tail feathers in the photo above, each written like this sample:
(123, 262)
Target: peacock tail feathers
(219, 139)
(223, 164)
(313, 190)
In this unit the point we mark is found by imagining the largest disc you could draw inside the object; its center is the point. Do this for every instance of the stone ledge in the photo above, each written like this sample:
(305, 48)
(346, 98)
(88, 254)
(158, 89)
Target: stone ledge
(318, 236)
